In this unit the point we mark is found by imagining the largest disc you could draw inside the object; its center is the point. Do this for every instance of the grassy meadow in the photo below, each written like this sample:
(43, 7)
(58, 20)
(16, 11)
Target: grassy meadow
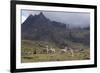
(34, 48)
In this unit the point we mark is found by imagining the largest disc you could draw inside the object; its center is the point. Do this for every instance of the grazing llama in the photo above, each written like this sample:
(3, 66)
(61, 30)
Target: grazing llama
(64, 50)
(52, 50)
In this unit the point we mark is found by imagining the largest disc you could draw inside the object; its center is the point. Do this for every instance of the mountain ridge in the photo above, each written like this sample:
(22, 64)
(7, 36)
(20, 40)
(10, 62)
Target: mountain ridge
(40, 28)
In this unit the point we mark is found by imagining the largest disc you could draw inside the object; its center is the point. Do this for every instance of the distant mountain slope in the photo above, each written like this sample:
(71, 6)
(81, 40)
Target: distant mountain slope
(40, 28)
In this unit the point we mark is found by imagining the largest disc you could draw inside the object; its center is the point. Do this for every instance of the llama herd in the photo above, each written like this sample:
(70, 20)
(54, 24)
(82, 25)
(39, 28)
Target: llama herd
(52, 50)
(49, 50)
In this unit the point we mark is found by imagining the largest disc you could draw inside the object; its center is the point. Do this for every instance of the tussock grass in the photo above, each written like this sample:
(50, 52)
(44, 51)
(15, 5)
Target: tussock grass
(57, 56)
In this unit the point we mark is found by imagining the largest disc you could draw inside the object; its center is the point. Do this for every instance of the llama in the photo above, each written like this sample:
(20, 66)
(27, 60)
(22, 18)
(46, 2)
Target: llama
(52, 50)
(45, 50)
(64, 50)
(71, 51)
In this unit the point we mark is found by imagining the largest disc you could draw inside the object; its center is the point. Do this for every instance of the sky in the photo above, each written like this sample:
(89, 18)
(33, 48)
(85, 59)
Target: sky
(71, 18)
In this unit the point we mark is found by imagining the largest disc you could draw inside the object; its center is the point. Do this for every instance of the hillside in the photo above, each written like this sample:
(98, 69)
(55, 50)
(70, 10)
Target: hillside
(40, 28)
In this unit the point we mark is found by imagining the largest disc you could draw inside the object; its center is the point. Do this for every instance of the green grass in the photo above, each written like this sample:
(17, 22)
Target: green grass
(58, 56)
(54, 57)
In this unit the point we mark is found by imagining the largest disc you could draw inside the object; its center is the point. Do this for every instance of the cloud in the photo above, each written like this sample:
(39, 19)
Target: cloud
(72, 18)
(23, 19)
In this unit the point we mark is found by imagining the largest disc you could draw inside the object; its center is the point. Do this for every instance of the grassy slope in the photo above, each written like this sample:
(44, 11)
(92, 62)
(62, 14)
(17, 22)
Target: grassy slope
(31, 46)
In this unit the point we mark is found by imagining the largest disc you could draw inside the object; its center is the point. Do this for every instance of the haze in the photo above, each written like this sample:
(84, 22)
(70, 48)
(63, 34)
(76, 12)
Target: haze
(81, 19)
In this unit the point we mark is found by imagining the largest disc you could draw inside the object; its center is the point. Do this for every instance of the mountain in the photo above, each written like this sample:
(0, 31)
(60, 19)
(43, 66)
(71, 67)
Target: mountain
(40, 28)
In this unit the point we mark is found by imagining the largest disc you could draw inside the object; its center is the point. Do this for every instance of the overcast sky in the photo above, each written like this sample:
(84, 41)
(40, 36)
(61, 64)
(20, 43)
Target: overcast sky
(72, 18)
